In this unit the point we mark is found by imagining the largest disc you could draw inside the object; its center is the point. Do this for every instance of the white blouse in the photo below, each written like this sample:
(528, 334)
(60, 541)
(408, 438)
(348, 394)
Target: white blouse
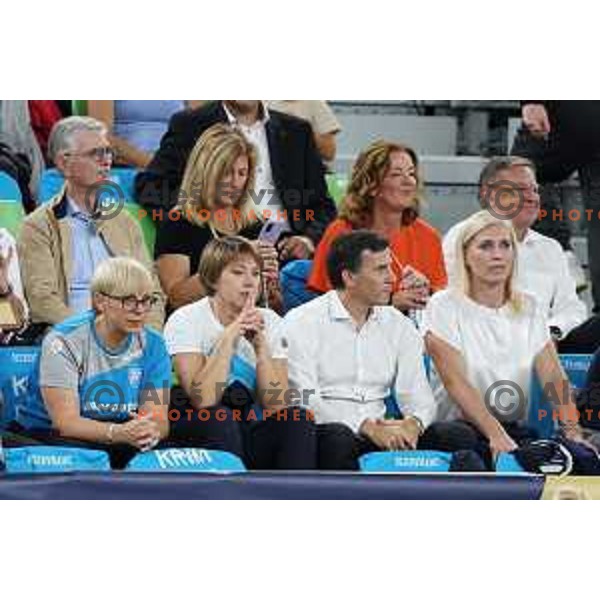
(497, 345)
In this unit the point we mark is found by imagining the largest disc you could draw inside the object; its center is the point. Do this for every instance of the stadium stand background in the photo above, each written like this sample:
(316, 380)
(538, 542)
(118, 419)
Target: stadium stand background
(453, 139)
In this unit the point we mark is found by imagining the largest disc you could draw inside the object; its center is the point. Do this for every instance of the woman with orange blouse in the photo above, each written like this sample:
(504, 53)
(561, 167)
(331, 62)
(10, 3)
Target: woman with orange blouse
(385, 196)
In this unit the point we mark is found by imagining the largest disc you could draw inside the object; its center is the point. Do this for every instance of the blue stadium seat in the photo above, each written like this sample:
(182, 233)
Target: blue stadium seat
(292, 279)
(576, 367)
(507, 463)
(406, 461)
(50, 184)
(9, 188)
(18, 380)
(52, 181)
(29, 460)
(188, 460)
(125, 178)
(425, 461)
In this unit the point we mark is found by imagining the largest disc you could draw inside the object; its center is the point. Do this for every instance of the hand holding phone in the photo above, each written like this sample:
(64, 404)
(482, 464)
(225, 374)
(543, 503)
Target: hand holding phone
(271, 231)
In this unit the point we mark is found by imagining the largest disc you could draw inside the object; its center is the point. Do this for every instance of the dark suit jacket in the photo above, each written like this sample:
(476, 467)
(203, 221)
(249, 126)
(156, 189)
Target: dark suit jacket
(574, 139)
(297, 168)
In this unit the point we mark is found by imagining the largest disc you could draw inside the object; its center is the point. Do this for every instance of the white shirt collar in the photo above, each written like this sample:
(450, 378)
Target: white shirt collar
(233, 120)
(338, 312)
(531, 237)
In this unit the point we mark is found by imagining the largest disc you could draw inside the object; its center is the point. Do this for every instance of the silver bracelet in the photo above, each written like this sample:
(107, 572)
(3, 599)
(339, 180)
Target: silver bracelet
(110, 433)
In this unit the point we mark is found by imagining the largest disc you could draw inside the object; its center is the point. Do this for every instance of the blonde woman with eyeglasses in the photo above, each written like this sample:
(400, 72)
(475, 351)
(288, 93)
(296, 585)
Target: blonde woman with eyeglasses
(104, 375)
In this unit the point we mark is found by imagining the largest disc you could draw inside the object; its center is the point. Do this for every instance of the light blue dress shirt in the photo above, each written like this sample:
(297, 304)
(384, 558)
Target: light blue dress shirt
(88, 250)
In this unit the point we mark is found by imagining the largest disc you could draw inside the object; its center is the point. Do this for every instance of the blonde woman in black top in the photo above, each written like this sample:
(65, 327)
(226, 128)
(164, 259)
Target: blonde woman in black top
(214, 201)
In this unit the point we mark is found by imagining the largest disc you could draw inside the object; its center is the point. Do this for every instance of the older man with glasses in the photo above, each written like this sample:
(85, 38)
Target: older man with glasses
(508, 190)
(63, 242)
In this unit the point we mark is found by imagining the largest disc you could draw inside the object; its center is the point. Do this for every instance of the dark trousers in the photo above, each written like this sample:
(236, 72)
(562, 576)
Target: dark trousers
(520, 434)
(584, 339)
(553, 167)
(589, 176)
(340, 448)
(554, 164)
(285, 440)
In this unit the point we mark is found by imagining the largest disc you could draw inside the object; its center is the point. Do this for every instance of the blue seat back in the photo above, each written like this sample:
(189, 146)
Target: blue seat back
(576, 367)
(507, 463)
(54, 459)
(52, 182)
(9, 188)
(292, 279)
(406, 461)
(18, 380)
(188, 460)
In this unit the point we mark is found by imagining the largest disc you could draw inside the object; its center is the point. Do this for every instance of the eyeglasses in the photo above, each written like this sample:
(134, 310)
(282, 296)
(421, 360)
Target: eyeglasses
(516, 189)
(100, 154)
(132, 303)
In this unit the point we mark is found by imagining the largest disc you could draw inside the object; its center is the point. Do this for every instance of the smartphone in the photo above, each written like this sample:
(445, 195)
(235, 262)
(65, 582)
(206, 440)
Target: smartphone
(271, 231)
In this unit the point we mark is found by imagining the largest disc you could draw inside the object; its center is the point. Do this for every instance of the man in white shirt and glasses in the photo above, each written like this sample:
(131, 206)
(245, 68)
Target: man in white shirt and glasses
(353, 351)
(508, 189)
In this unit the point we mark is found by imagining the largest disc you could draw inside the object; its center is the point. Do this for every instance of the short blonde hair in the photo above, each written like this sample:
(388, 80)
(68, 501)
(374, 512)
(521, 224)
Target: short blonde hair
(211, 158)
(471, 227)
(218, 254)
(120, 277)
(368, 172)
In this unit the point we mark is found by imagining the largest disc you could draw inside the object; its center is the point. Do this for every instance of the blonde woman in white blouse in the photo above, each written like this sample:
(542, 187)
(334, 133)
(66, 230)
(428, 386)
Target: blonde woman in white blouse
(486, 340)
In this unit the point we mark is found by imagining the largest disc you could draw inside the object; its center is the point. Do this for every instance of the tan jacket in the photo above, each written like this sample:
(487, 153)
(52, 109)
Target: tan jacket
(46, 262)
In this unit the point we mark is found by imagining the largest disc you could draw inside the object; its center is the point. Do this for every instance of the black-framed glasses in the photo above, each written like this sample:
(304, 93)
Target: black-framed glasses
(99, 154)
(132, 303)
(515, 189)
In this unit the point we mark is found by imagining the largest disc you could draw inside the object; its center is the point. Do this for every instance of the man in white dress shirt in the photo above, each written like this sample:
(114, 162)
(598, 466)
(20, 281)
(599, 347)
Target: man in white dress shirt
(353, 351)
(509, 190)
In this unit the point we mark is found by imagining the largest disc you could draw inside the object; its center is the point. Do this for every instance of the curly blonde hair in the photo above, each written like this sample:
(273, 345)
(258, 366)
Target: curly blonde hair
(368, 173)
(210, 160)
